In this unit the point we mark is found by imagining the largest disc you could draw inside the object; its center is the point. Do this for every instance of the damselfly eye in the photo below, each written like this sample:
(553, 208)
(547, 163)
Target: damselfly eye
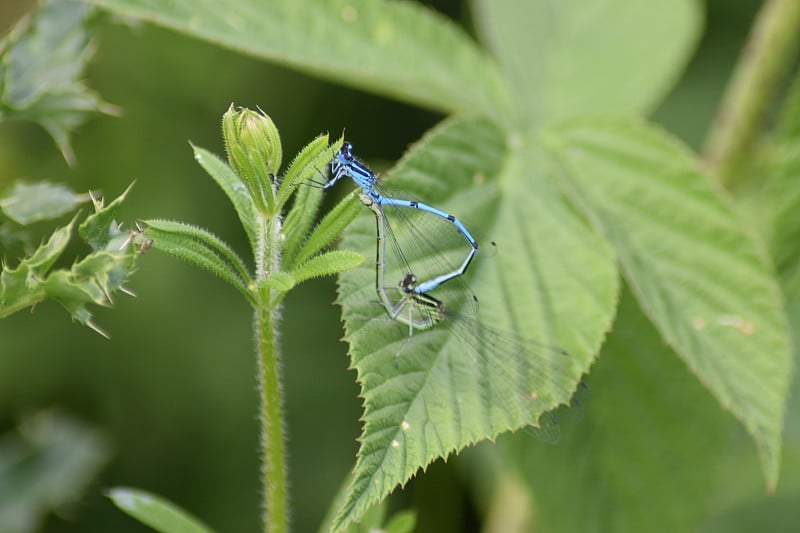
(347, 150)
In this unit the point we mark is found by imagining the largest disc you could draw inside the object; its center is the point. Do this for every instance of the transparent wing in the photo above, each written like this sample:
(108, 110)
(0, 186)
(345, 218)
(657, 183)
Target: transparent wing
(415, 247)
(521, 375)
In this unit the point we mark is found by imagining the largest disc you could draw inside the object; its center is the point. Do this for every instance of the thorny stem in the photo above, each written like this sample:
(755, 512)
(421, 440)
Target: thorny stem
(756, 79)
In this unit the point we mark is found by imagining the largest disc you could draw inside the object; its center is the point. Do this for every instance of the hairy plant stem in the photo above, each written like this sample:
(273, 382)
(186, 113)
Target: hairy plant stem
(267, 314)
(753, 86)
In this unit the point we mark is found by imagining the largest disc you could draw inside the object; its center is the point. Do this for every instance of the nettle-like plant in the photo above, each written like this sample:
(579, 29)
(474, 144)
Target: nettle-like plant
(583, 193)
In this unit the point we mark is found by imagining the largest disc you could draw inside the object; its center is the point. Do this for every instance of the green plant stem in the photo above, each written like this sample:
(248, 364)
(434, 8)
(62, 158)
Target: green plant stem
(755, 81)
(267, 313)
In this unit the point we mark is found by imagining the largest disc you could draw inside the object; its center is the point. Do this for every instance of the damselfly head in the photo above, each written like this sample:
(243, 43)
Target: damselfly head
(346, 151)
(408, 283)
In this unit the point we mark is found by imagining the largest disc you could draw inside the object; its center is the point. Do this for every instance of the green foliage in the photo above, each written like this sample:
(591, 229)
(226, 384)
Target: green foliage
(92, 279)
(156, 512)
(44, 467)
(25, 203)
(575, 202)
(563, 60)
(202, 248)
(677, 453)
(375, 519)
(41, 63)
(394, 48)
(691, 264)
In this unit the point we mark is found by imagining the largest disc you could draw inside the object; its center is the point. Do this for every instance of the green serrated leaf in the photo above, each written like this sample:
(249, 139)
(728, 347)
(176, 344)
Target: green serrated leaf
(43, 60)
(567, 59)
(47, 254)
(399, 49)
(234, 188)
(647, 422)
(372, 520)
(782, 202)
(700, 277)
(201, 248)
(551, 280)
(30, 202)
(21, 286)
(328, 230)
(90, 281)
(327, 264)
(155, 511)
(100, 228)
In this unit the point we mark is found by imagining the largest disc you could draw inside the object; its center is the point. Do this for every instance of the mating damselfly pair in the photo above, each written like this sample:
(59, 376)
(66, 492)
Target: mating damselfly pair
(422, 255)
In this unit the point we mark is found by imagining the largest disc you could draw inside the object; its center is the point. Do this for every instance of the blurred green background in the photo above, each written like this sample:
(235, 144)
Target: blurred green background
(174, 387)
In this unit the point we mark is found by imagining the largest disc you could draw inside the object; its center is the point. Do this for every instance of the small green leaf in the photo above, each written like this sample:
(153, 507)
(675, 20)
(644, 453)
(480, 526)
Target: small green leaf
(90, 281)
(201, 248)
(402, 522)
(156, 512)
(235, 188)
(100, 228)
(329, 229)
(693, 267)
(312, 161)
(43, 61)
(48, 253)
(327, 264)
(21, 286)
(30, 202)
(399, 49)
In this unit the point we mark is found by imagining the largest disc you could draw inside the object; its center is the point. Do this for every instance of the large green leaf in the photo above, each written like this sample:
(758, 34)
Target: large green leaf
(700, 277)
(643, 456)
(781, 200)
(777, 204)
(398, 49)
(567, 59)
(430, 395)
